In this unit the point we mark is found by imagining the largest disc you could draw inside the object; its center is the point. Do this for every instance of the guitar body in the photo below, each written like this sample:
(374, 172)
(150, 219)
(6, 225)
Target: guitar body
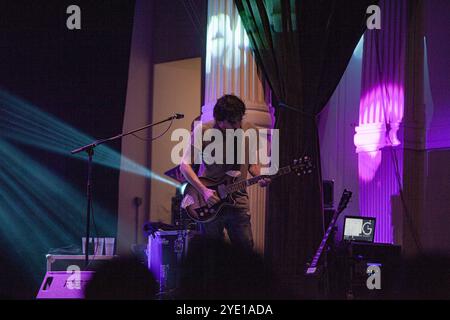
(199, 210)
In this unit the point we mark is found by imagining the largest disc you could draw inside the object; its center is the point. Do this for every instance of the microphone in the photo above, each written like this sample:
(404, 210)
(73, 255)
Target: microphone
(179, 116)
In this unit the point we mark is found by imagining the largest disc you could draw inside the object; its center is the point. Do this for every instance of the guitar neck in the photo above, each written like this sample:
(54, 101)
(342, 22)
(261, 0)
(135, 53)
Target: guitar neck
(249, 182)
(319, 251)
(342, 205)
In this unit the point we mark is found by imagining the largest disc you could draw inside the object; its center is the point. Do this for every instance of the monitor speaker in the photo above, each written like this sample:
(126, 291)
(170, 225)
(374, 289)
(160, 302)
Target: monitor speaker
(64, 285)
(165, 251)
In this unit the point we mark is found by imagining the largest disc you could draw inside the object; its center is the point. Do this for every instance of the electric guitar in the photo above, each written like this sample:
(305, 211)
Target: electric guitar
(312, 268)
(198, 210)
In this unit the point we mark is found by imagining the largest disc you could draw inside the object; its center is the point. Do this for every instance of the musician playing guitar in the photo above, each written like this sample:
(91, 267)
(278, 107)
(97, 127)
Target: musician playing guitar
(228, 114)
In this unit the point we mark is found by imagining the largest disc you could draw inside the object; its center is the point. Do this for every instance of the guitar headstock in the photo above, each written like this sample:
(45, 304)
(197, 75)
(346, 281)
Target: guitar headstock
(302, 166)
(345, 199)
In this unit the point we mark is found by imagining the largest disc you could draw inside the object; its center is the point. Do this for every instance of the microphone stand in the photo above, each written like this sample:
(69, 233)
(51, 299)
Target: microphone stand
(89, 148)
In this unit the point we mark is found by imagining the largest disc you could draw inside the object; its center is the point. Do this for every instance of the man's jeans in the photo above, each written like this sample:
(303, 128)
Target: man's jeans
(237, 223)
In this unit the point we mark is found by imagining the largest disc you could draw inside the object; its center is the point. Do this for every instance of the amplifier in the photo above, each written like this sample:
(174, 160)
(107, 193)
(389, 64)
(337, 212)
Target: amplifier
(328, 193)
(351, 265)
(165, 252)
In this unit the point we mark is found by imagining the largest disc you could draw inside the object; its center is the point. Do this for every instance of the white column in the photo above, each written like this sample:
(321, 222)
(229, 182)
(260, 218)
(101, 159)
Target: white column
(230, 68)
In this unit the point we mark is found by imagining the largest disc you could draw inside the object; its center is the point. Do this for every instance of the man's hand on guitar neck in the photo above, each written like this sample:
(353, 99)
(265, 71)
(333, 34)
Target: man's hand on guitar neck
(210, 196)
(264, 182)
(255, 170)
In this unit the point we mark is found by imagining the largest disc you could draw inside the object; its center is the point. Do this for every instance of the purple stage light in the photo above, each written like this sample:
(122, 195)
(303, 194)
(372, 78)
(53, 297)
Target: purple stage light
(381, 113)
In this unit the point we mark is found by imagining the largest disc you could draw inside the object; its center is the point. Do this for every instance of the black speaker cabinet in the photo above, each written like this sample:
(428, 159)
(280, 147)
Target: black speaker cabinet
(165, 252)
(350, 267)
(179, 215)
(328, 215)
(328, 193)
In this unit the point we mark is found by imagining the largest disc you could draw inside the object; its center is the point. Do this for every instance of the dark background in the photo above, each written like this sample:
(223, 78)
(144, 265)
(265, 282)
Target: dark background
(80, 77)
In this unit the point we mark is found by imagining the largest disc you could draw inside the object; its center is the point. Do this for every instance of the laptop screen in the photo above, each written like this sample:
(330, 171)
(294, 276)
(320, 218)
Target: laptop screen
(359, 229)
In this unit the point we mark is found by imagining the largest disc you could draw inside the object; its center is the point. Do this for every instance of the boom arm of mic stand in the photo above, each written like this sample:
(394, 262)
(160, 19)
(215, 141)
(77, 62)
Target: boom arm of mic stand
(99, 142)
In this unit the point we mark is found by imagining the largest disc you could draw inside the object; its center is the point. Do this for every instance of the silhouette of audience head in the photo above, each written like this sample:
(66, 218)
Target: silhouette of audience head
(214, 269)
(122, 279)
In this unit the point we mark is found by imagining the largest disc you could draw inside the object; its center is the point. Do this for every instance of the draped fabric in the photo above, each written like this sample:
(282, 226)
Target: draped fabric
(380, 116)
(302, 48)
(437, 33)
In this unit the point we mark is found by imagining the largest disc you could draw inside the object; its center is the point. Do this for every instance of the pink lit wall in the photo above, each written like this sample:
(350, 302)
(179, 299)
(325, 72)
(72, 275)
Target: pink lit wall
(337, 123)
(378, 135)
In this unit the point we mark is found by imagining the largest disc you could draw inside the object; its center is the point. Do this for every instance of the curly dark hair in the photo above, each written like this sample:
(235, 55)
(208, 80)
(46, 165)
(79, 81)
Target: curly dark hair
(229, 107)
